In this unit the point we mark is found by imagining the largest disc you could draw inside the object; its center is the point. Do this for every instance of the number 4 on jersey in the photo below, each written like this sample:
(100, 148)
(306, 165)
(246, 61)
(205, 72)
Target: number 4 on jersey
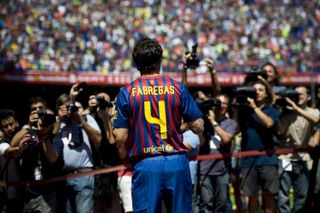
(162, 121)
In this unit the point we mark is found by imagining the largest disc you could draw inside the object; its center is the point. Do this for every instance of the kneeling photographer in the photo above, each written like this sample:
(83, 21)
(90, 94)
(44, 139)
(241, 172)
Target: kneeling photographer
(257, 120)
(215, 174)
(297, 124)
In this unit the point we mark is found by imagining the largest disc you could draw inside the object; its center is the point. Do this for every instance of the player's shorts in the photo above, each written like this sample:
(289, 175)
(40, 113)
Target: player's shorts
(160, 178)
(265, 178)
(124, 187)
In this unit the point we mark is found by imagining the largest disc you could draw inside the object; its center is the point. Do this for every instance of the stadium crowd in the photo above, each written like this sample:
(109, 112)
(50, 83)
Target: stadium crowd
(60, 36)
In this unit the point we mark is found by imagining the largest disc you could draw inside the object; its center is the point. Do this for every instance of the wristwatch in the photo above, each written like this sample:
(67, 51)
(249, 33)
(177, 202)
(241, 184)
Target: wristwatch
(214, 124)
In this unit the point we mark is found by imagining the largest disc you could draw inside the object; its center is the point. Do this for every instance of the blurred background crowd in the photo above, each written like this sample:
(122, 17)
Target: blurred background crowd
(98, 36)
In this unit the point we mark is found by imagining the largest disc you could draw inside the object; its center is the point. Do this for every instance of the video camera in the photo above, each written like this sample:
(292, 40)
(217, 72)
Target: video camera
(102, 103)
(253, 73)
(286, 93)
(46, 118)
(242, 93)
(206, 105)
(192, 58)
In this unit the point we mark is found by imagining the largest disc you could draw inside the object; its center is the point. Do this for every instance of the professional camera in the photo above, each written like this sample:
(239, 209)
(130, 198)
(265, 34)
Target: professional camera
(207, 104)
(192, 58)
(47, 119)
(72, 108)
(242, 93)
(286, 93)
(102, 103)
(83, 85)
(253, 73)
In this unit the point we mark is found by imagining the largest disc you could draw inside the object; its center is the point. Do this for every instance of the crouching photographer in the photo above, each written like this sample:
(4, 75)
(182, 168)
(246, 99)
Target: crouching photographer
(215, 174)
(39, 159)
(296, 127)
(257, 119)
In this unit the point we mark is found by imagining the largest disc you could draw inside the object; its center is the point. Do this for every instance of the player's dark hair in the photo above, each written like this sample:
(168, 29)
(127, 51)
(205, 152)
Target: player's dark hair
(147, 55)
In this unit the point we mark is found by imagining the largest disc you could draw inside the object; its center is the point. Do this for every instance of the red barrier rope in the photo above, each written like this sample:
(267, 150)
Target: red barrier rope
(64, 177)
(126, 166)
(252, 153)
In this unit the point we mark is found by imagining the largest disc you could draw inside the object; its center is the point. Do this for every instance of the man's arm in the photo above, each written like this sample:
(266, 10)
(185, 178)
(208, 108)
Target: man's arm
(105, 117)
(196, 126)
(120, 135)
(225, 136)
(314, 118)
(265, 119)
(90, 127)
(216, 88)
(50, 153)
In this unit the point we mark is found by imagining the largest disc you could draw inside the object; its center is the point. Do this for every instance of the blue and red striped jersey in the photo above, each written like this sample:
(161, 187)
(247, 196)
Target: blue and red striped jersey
(152, 108)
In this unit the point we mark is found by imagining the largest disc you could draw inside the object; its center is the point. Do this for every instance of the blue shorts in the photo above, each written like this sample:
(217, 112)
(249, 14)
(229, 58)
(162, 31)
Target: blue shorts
(162, 178)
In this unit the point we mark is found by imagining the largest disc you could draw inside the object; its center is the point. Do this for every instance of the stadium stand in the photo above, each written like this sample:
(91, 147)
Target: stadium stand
(61, 36)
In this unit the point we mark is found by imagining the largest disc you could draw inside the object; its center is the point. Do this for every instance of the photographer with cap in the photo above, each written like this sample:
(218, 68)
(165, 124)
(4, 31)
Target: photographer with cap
(297, 125)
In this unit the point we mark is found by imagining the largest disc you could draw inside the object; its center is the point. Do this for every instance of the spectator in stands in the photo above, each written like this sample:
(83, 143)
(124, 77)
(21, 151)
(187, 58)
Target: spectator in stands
(10, 197)
(81, 130)
(97, 36)
(257, 120)
(297, 126)
(215, 174)
(39, 160)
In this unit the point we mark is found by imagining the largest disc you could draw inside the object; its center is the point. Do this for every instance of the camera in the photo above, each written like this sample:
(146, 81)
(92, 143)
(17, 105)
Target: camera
(253, 73)
(72, 108)
(33, 134)
(192, 58)
(83, 85)
(206, 105)
(242, 93)
(47, 119)
(286, 93)
(102, 103)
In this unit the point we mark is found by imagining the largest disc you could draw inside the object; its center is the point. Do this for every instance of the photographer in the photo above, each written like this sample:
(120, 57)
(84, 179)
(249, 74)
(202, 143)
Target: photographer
(76, 134)
(39, 160)
(257, 120)
(10, 196)
(296, 126)
(105, 153)
(215, 174)
(192, 61)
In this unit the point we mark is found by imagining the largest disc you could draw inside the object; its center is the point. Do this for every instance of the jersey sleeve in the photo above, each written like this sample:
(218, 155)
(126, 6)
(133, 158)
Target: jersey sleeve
(190, 109)
(122, 110)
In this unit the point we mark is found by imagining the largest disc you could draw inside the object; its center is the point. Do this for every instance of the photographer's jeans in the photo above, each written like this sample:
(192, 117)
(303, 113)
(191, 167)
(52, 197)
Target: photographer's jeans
(298, 177)
(80, 194)
(214, 193)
